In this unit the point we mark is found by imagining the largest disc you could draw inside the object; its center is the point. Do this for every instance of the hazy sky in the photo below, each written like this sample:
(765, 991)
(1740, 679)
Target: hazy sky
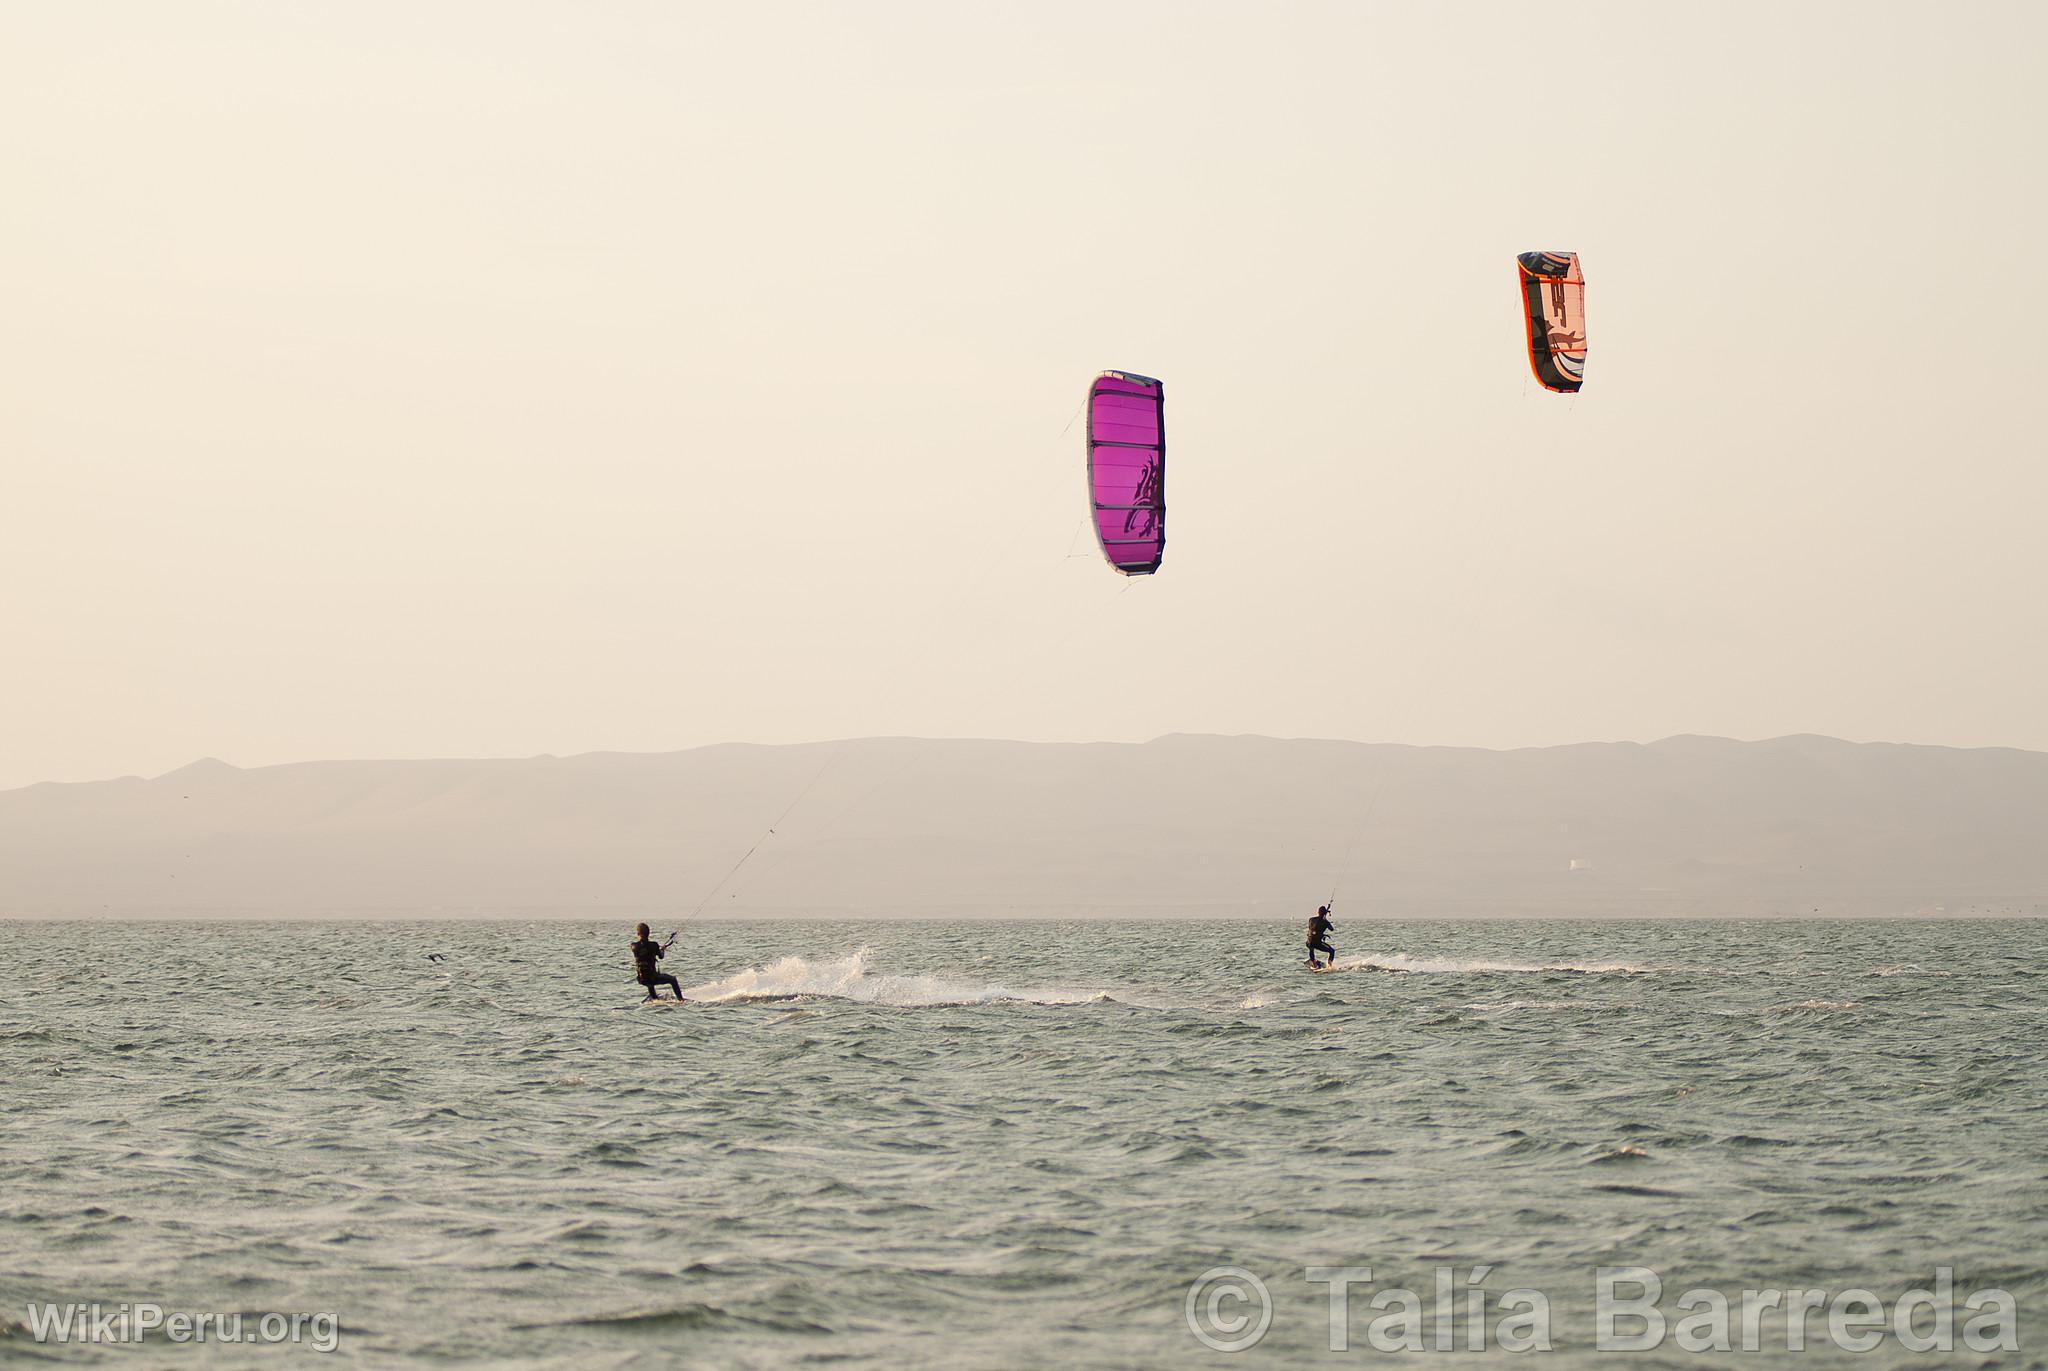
(498, 378)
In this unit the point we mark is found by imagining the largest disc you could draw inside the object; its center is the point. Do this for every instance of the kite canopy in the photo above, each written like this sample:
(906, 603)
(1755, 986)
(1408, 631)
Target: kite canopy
(1127, 469)
(1554, 311)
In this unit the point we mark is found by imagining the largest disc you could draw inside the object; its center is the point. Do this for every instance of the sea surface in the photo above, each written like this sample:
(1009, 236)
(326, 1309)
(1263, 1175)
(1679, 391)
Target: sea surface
(1009, 1144)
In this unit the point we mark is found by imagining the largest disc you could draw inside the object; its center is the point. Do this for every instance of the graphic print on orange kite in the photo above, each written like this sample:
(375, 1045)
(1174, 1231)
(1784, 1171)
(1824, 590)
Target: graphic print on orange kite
(1127, 469)
(1554, 315)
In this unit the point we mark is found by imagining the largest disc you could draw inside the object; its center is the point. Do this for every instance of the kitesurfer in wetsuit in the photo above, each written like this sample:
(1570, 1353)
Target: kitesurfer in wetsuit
(1319, 936)
(647, 952)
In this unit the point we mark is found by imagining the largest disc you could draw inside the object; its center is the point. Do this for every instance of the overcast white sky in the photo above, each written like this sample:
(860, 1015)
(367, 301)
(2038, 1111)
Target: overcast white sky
(399, 379)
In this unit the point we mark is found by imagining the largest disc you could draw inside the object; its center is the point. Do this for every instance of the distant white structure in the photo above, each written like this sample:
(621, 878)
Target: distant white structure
(1579, 864)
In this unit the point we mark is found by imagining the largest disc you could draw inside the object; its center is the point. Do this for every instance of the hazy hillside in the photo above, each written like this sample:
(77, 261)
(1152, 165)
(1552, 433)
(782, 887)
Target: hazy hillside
(1686, 825)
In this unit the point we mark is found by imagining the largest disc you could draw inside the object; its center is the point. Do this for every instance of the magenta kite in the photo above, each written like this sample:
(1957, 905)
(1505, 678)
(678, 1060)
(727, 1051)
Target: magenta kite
(1127, 469)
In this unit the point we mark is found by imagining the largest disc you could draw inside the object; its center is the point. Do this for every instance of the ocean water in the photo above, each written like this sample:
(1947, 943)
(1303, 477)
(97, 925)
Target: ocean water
(1008, 1144)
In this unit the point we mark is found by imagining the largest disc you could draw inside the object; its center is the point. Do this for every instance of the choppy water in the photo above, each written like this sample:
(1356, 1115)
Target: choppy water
(1001, 1145)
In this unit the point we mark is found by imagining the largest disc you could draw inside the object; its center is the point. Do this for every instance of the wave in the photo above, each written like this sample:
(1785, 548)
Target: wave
(1627, 1152)
(689, 1318)
(1457, 966)
(849, 978)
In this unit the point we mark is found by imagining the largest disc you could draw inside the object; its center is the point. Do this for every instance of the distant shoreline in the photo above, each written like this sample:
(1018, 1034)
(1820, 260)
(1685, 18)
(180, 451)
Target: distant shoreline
(1183, 827)
(790, 916)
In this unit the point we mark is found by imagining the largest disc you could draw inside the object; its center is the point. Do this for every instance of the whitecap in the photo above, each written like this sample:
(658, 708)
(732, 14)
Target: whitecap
(1457, 966)
(848, 978)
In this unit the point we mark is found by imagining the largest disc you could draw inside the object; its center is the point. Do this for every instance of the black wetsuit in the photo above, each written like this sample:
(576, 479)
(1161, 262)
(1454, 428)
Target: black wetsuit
(646, 952)
(1319, 937)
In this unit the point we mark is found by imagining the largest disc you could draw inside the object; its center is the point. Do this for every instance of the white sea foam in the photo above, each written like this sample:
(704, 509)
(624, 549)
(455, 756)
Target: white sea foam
(1458, 966)
(848, 978)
